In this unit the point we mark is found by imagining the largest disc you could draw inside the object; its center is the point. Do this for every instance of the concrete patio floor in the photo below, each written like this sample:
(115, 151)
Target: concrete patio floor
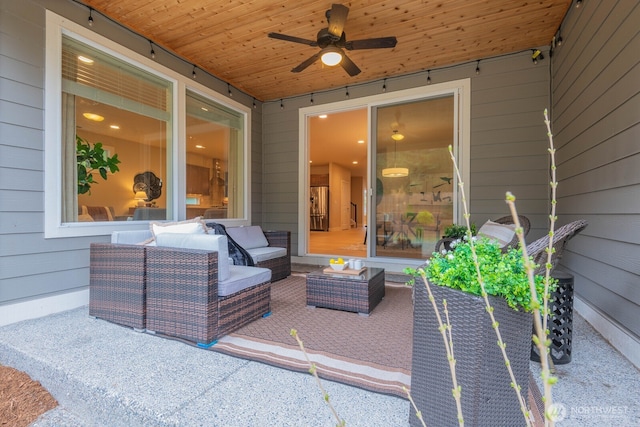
(106, 375)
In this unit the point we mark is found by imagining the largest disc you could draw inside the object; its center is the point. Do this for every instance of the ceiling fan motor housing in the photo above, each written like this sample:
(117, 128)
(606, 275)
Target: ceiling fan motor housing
(325, 38)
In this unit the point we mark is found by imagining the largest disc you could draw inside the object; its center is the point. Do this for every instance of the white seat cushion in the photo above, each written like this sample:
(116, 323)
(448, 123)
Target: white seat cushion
(248, 237)
(207, 242)
(264, 254)
(242, 277)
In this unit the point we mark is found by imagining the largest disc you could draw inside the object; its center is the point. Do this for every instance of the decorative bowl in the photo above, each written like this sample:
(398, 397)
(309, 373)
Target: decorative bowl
(338, 267)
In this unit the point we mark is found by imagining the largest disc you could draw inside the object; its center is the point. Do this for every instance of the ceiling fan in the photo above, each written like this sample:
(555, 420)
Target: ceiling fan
(332, 40)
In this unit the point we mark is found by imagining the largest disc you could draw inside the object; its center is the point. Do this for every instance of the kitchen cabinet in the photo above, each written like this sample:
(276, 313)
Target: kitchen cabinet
(197, 180)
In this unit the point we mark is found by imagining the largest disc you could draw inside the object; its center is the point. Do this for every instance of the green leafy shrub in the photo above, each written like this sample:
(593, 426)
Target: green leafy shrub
(455, 231)
(503, 273)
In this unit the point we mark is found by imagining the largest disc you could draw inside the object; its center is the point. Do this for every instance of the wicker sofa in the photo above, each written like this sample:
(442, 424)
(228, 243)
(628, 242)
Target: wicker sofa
(183, 287)
(269, 249)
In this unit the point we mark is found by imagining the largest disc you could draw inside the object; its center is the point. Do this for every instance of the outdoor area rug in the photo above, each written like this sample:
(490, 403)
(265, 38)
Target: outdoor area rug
(371, 352)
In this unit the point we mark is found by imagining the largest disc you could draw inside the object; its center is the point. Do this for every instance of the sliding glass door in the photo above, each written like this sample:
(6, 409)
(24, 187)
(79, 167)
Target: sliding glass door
(413, 174)
(408, 193)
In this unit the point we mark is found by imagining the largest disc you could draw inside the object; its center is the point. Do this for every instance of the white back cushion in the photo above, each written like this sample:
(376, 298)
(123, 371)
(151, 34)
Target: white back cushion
(189, 226)
(248, 237)
(208, 242)
(501, 233)
(132, 237)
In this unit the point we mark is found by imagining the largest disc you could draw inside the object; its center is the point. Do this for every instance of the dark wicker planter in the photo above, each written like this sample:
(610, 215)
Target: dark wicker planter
(487, 397)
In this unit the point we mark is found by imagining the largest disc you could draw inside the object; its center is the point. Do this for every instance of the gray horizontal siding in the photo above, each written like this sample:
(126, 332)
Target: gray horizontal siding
(596, 100)
(280, 173)
(621, 290)
(622, 200)
(20, 201)
(20, 179)
(50, 283)
(41, 263)
(32, 243)
(256, 165)
(21, 156)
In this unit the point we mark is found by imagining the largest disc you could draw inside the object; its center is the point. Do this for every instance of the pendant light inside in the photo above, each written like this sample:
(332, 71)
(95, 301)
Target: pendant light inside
(395, 172)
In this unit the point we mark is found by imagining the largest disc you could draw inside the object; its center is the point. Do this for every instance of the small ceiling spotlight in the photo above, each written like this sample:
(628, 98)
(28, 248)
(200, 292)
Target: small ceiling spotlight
(536, 56)
(193, 74)
(384, 85)
(428, 77)
(254, 104)
(229, 90)
(312, 97)
(346, 94)
(93, 116)
(578, 3)
(478, 67)
(90, 20)
(281, 104)
(152, 52)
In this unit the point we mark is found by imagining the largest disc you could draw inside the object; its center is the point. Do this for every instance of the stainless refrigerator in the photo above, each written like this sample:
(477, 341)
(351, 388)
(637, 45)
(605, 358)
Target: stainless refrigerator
(319, 209)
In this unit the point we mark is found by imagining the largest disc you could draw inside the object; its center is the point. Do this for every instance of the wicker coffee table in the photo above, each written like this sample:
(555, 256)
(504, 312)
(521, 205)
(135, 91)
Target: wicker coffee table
(359, 293)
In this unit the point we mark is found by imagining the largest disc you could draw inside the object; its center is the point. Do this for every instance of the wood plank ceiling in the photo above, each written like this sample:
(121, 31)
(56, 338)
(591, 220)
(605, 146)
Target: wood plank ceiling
(229, 38)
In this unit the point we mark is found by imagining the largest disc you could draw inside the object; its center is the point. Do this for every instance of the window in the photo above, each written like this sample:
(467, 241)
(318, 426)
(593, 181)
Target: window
(215, 153)
(128, 111)
(104, 101)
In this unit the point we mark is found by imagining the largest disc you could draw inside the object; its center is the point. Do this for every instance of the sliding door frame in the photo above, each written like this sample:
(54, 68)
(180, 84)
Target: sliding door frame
(461, 89)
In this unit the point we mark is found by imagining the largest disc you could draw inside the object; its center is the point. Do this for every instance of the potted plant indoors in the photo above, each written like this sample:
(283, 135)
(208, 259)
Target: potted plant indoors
(487, 398)
(423, 219)
(90, 159)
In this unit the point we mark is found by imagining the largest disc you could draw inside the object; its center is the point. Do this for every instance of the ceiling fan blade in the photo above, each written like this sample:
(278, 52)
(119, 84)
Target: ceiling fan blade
(337, 17)
(306, 63)
(293, 39)
(382, 42)
(349, 66)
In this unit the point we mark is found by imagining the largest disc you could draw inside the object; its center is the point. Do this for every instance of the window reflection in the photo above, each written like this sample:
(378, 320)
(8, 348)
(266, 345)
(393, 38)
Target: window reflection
(414, 174)
(215, 159)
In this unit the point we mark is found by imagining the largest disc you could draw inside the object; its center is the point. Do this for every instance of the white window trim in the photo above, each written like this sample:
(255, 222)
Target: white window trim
(56, 26)
(460, 89)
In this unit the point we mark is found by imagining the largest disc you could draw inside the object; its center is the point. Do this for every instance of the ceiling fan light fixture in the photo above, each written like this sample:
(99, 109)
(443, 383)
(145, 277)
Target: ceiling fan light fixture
(397, 136)
(331, 57)
(395, 172)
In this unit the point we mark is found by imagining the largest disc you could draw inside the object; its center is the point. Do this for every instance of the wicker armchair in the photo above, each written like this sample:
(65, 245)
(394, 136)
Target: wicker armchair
(183, 300)
(524, 223)
(118, 284)
(561, 237)
(171, 291)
